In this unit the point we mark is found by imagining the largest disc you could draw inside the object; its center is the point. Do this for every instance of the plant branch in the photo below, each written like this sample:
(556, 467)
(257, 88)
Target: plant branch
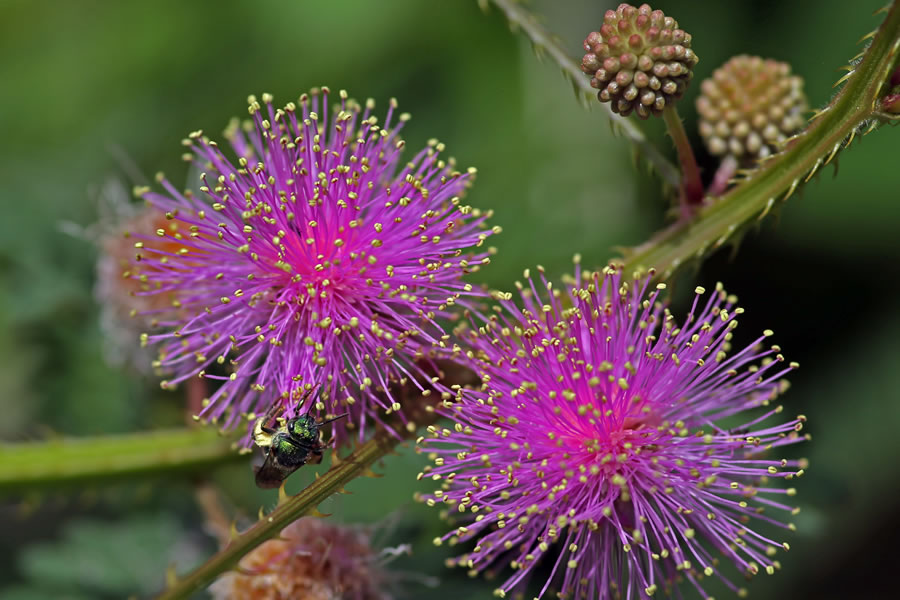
(34, 466)
(775, 180)
(518, 16)
(290, 508)
(691, 189)
(418, 411)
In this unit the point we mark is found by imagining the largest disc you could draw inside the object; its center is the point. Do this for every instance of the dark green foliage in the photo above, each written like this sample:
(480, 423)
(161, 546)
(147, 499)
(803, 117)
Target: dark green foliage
(102, 559)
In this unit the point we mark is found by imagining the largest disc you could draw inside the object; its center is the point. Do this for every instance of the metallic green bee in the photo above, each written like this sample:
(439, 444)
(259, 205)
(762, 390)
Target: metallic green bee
(296, 442)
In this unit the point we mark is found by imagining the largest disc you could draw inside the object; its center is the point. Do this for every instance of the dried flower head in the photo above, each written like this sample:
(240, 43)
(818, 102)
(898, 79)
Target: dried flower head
(316, 258)
(614, 440)
(639, 60)
(313, 560)
(749, 107)
(122, 315)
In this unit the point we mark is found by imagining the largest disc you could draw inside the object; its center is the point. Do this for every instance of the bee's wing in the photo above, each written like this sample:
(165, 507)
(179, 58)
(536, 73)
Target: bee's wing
(271, 473)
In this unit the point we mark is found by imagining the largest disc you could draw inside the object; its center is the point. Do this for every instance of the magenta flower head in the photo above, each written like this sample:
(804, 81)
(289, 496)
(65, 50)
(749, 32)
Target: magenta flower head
(314, 259)
(613, 443)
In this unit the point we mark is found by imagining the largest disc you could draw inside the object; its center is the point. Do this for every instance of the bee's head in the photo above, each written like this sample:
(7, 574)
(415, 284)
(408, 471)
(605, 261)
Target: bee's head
(304, 428)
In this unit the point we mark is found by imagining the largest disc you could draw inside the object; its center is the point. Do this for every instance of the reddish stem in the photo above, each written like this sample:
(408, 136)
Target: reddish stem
(691, 194)
(195, 392)
(723, 175)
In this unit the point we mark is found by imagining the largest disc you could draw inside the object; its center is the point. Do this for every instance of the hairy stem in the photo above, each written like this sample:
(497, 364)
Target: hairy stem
(418, 411)
(289, 509)
(52, 464)
(777, 178)
(775, 181)
(519, 17)
(691, 190)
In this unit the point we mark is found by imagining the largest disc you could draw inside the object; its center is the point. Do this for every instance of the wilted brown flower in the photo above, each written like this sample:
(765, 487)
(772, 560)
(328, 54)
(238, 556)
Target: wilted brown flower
(313, 560)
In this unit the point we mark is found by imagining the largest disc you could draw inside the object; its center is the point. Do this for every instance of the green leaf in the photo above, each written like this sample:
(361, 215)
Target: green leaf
(95, 558)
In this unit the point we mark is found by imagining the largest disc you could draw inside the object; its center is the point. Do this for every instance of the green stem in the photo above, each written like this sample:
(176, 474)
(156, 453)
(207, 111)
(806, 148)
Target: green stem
(691, 192)
(520, 17)
(289, 509)
(51, 464)
(419, 411)
(777, 179)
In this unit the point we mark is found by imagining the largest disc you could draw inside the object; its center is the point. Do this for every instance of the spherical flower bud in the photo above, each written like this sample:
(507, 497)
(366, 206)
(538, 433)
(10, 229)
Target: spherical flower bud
(639, 60)
(625, 448)
(749, 107)
(316, 258)
(313, 560)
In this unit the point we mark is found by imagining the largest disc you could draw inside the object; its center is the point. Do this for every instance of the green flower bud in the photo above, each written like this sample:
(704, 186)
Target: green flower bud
(749, 107)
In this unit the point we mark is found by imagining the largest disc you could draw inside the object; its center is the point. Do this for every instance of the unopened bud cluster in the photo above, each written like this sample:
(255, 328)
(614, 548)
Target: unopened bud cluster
(749, 106)
(639, 60)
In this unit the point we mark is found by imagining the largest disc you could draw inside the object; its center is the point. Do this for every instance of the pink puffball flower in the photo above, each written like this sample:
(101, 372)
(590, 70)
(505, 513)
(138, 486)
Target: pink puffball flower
(624, 450)
(316, 258)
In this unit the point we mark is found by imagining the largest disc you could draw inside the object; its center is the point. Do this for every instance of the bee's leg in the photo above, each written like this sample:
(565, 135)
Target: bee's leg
(262, 434)
(307, 394)
(273, 412)
(315, 456)
(260, 437)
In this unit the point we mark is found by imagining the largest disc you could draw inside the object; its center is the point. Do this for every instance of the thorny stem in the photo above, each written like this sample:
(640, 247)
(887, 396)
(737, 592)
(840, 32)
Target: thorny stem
(776, 180)
(53, 464)
(691, 190)
(541, 38)
(779, 176)
(290, 508)
(418, 411)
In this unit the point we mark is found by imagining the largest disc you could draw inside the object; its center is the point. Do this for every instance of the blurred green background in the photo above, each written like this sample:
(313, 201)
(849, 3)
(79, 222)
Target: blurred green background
(99, 90)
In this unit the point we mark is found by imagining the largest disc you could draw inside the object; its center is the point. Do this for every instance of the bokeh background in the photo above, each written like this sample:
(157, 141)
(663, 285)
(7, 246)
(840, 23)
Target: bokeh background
(96, 91)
